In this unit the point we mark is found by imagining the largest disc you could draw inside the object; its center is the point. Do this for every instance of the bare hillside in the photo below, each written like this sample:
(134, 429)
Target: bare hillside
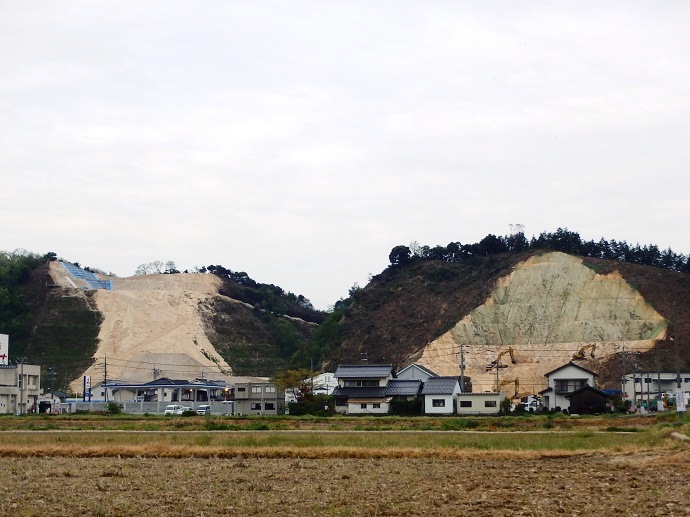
(546, 310)
(546, 306)
(152, 326)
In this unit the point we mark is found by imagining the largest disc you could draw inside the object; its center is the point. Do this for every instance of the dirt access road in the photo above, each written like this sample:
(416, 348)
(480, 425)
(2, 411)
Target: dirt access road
(602, 484)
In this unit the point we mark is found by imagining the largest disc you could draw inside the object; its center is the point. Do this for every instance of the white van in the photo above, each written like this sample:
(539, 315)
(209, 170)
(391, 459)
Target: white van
(172, 409)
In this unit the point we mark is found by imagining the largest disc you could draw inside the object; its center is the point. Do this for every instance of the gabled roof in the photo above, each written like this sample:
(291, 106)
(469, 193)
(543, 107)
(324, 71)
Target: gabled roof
(360, 393)
(440, 386)
(403, 387)
(571, 364)
(361, 371)
(588, 388)
(419, 367)
(164, 381)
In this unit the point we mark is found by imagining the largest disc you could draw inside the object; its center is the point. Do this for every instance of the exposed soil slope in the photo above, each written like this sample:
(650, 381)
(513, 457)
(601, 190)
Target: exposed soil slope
(546, 306)
(182, 326)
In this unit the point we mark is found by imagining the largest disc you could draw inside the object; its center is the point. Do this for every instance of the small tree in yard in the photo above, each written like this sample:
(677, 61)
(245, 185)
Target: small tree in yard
(112, 408)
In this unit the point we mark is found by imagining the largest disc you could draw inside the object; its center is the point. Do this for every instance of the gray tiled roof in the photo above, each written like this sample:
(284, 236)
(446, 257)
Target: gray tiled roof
(360, 393)
(360, 371)
(440, 385)
(397, 387)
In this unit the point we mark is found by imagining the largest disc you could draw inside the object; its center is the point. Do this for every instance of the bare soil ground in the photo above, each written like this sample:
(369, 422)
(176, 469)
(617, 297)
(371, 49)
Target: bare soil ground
(644, 484)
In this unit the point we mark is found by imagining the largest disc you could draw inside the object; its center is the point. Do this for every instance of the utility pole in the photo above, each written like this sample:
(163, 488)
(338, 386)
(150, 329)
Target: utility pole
(21, 361)
(462, 367)
(105, 376)
(52, 374)
(623, 381)
(680, 394)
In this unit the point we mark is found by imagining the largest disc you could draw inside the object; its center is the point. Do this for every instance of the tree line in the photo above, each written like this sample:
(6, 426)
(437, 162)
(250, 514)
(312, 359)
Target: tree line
(561, 240)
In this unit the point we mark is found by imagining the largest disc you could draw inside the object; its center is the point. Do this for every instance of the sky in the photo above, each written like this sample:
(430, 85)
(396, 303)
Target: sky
(301, 141)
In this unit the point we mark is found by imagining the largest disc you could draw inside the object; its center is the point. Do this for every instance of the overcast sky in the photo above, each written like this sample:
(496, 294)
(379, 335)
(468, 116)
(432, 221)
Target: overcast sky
(301, 141)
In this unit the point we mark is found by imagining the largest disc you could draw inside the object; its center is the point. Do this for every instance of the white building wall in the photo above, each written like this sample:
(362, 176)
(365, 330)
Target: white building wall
(479, 403)
(648, 386)
(355, 408)
(448, 407)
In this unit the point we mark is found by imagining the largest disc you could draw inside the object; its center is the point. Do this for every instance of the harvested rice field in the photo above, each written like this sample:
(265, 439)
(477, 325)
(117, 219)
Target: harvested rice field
(519, 484)
(201, 467)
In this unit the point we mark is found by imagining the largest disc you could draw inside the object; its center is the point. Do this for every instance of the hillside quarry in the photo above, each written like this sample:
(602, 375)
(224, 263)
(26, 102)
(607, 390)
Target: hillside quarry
(544, 306)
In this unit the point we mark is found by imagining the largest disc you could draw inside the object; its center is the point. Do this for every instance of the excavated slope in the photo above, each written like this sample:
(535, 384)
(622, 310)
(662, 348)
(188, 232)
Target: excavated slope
(153, 322)
(547, 309)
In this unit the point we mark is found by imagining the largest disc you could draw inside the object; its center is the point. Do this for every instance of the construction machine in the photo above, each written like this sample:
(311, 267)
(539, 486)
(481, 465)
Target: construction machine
(505, 382)
(580, 354)
(497, 363)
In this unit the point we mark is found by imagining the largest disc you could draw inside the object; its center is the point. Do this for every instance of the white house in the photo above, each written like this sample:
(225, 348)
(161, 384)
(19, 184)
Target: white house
(563, 381)
(415, 371)
(324, 383)
(440, 395)
(487, 403)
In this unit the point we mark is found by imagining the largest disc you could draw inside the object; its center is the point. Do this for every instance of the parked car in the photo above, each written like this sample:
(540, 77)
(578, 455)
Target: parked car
(172, 409)
(204, 409)
(183, 409)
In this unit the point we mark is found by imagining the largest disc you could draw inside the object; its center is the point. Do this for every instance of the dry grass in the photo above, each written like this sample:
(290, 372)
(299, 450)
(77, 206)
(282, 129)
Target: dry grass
(318, 444)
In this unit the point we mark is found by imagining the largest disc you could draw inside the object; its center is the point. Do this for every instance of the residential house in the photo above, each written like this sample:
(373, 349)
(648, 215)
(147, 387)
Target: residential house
(20, 388)
(404, 396)
(564, 380)
(643, 387)
(361, 388)
(440, 395)
(259, 398)
(164, 390)
(487, 403)
(415, 371)
(588, 401)
(324, 383)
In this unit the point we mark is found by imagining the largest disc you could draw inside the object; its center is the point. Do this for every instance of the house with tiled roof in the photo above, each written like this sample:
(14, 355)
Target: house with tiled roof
(440, 395)
(362, 388)
(563, 381)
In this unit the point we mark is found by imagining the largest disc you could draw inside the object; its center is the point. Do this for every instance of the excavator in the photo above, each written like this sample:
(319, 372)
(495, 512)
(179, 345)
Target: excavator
(497, 362)
(510, 381)
(580, 354)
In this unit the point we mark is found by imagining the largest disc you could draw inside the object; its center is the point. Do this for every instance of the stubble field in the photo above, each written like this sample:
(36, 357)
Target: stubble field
(598, 471)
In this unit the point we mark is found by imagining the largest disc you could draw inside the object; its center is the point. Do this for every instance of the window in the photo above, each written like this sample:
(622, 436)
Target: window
(687, 379)
(647, 380)
(489, 403)
(438, 402)
(256, 389)
(376, 405)
(465, 403)
(363, 406)
(270, 389)
(361, 383)
(241, 389)
(270, 406)
(569, 385)
(256, 406)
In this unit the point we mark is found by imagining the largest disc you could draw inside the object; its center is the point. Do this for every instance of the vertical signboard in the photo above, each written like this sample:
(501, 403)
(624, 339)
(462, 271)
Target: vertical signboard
(87, 388)
(4, 349)
(680, 400)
